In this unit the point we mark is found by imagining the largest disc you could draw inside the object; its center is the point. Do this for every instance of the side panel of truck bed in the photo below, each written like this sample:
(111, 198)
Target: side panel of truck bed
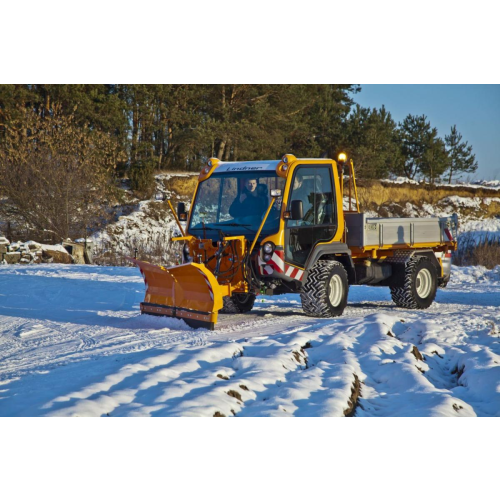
(363, 231)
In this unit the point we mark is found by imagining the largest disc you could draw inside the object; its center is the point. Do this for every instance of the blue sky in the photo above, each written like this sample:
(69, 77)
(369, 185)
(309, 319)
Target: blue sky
(474, 109)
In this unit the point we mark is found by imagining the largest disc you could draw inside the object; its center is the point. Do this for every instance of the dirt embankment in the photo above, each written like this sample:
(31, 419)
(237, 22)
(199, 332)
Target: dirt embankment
(385, 197)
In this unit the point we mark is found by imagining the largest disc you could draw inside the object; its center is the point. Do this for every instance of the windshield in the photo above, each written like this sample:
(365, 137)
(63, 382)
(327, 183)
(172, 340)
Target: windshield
(235, 203)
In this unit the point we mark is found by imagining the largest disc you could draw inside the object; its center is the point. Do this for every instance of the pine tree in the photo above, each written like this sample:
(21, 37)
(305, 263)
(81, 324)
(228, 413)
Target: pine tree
(462, 160)
(372, 141)
(324, 117)
(424, 153)
(414, 133)
(435, 160)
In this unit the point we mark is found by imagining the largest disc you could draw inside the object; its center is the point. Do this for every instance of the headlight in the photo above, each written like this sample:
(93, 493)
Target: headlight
(267, 257)
(185, 253)
(268, 248)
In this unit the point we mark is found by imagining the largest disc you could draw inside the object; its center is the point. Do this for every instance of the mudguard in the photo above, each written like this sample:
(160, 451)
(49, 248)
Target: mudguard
(189, 291)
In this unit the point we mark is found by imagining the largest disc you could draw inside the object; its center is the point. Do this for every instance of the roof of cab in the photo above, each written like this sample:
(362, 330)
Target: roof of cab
(247, 166)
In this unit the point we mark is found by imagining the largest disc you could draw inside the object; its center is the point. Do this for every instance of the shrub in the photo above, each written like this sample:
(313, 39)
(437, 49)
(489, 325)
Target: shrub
(157, 250)
(484, 251)
(142, 179)
(56, 177)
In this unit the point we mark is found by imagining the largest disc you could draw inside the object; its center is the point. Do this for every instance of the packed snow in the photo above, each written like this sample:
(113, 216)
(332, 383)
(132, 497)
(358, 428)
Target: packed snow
(73, 343)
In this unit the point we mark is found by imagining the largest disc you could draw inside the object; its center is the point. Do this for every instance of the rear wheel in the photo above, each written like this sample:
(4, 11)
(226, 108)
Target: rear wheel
(420, 285)
(324, 294)
(238, 303)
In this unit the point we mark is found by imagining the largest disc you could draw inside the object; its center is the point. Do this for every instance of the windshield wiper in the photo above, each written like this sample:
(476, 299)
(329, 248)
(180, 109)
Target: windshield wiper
(210, 228)
(233, 224)
(206, 228)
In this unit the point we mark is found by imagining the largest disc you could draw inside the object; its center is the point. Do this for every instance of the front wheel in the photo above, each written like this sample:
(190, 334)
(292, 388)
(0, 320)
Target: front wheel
(420, 285)
(238, 303)
(324, 294)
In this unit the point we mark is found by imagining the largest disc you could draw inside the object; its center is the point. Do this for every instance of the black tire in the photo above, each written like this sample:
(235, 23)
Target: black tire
(238, 303)
(444, 283)
(317, 294)
(420, 285)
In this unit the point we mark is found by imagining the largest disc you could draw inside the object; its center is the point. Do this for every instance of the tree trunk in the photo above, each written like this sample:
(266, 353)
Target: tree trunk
(135, 132)
(222, 144)
(227, 152)
(221, 149)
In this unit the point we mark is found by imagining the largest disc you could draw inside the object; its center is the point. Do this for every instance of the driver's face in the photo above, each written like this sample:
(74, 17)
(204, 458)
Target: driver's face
(251, 185)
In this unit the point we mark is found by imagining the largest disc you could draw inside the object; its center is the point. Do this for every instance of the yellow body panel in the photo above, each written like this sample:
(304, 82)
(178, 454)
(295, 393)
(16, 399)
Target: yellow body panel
(293, 163)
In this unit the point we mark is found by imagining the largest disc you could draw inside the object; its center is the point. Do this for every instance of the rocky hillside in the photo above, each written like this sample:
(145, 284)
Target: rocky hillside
(145, 227)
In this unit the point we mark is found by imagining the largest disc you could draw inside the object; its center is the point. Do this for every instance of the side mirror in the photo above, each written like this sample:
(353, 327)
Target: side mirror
(297, 210)
(181, 211)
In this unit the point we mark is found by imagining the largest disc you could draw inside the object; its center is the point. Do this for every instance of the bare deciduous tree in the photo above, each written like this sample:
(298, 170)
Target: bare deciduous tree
(54, 175)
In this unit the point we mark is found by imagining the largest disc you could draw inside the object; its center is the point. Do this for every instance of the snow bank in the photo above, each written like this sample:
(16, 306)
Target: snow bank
(400, 180)
(479, 229)
(475, 274)
(55, 248)
(493, 184)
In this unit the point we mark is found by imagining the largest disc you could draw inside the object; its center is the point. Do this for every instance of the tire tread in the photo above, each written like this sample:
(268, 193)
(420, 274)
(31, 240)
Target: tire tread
(313, 294)
(403, 296)
(231, 306)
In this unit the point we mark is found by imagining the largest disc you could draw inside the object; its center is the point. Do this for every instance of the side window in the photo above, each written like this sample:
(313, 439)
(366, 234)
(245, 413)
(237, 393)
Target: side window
(313, 186)
(323, 201)
(303, 190)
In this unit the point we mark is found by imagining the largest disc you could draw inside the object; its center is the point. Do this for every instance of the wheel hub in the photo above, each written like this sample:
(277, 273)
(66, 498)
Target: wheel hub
(424, 283)
(335, 290)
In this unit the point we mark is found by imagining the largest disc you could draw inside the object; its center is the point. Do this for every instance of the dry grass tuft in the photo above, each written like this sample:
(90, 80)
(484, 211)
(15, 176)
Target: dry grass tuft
(183, 187)
(353, 402)
(157, 250)
(485, 252)
(235, 394)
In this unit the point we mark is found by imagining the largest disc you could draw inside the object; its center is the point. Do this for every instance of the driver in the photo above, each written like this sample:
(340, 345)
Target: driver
(304, 193)
(248, 202)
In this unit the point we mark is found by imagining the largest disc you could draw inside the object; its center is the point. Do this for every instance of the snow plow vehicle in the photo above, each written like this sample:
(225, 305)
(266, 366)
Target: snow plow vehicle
(292, 226)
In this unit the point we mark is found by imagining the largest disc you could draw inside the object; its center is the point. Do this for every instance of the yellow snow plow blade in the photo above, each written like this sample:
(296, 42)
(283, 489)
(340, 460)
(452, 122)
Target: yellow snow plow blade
(188, 291)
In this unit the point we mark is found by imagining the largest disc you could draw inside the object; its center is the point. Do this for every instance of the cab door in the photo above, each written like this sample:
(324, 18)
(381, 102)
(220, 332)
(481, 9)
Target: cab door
(319, 224)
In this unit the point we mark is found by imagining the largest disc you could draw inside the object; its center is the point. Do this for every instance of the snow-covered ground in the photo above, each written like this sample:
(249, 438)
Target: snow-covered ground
(475, 184)
(72, 342)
